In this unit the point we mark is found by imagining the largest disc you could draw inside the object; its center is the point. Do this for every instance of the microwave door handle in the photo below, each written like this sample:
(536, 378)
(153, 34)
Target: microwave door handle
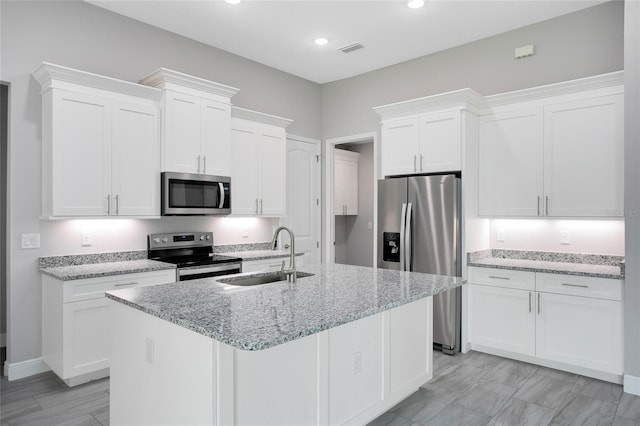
(221, 186)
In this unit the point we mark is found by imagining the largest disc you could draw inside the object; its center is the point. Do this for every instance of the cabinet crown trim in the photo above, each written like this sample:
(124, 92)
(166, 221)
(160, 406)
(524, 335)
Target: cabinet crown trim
(260, 117)
(50, 75)
(164, 78)
(457, 99)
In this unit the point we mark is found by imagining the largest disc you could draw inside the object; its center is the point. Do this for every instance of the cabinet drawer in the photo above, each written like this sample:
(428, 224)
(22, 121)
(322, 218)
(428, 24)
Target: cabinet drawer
(94, 288)
(507, 278)
(575, 285)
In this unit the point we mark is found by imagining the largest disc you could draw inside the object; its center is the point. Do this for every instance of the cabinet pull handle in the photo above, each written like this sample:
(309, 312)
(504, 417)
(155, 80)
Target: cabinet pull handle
(108, 204)
(124, 284)
(538, 205)
(204, 165)
(414, 164)
(198, 164)
(575, 285)
(529, 302)
(117, 205)
(257, 211)
(499, 278)
(546, 206)
(538, 303)
(261, 202)
(420, 162)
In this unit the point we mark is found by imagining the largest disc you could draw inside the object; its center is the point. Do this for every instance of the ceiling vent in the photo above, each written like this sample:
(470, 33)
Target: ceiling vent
(350, 47)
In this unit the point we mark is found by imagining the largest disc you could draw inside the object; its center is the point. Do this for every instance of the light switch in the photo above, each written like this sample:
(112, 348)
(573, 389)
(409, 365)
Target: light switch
(500, 235)
(245, 232)
(85, 240)
(565, 237)
(30, 241)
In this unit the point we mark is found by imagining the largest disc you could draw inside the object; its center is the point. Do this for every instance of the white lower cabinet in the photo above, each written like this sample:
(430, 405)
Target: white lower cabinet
(268, 265)
(76, 329)
(566, 322)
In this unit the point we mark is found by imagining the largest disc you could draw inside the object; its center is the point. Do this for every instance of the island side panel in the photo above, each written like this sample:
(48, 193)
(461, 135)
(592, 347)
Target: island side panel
(161, 373)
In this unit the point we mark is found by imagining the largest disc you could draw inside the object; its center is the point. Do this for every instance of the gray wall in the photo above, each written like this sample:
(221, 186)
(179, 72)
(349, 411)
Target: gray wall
(354, 241)
(580, 44)
(632, 195)
(82, 36)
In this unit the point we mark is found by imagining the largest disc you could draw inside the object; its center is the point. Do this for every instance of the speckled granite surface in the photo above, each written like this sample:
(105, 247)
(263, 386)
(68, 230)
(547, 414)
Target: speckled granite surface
(83, 259)
(94, 270)
(260, 317)
(589, 265)
(261, 254)
(229, 248)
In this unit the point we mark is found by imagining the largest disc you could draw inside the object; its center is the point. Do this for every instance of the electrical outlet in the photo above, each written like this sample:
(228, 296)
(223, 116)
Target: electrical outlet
(30, 241)
(245, 232)
(85, 240)
(565, 237)
(500, 235)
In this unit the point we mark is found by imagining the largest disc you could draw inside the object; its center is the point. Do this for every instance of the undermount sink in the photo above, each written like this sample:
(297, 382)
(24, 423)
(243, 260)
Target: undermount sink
(260, 278)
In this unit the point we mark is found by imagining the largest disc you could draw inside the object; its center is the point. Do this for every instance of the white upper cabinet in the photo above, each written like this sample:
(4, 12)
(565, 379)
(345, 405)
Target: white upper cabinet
(345, 182)
(100, 145)
(510, 159)
(553, 153)
(196, 123)
(426, 135)
(259, 160)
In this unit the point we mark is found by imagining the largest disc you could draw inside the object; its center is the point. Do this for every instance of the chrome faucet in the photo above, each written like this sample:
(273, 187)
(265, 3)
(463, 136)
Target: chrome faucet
(290, 272)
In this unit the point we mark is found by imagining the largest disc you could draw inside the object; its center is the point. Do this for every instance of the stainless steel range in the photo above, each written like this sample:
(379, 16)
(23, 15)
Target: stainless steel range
(192, 252)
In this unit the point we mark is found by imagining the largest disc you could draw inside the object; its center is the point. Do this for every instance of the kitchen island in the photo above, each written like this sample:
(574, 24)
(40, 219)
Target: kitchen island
(341, 346)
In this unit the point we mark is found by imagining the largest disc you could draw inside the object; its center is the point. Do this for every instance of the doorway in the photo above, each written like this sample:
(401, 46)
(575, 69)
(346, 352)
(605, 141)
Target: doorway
(4, 134)
(350, 219)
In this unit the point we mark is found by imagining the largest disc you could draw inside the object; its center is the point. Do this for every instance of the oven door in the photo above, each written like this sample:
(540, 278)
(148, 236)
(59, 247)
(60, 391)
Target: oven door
(192, 194)
(196, 272)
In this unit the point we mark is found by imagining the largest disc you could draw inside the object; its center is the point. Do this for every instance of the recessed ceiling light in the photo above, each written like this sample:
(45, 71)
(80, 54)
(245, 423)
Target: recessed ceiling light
(233, 1)
(415, 4)
(321, 41)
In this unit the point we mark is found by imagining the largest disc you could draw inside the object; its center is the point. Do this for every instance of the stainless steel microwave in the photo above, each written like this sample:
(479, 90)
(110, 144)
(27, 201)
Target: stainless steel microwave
(185, 194)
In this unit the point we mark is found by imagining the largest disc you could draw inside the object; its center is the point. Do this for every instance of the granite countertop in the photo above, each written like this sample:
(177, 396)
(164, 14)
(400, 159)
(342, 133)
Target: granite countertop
(588, 265)
(260, 254)
(94, 270)
(263, 316)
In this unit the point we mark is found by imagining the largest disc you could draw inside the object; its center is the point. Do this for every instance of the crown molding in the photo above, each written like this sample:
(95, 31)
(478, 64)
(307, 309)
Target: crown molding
(557, 89)
(56, 76)
(457, 99)
(164, 78)
(260, 117)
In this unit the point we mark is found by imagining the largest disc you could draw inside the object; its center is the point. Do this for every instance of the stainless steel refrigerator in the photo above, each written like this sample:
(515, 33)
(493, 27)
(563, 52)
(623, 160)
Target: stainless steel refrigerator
(419, 230)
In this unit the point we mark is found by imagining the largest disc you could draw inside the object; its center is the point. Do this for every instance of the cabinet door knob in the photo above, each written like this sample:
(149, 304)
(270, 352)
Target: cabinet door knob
(421, 162)
(546, 206)
(260, 205)
(414, 164)
(108, 204)
(257, 211)
(117, 205)
(204, 165)
(198, 164)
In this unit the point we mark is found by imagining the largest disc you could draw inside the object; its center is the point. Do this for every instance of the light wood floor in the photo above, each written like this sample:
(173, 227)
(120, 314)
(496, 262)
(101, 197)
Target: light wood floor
(467, 389)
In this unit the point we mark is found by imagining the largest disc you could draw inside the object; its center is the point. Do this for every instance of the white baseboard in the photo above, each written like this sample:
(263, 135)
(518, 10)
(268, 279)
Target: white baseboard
(632, 385)
(3, 340)
(19, 370)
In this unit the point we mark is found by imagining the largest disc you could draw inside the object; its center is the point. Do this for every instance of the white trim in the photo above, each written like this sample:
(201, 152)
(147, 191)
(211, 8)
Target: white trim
(51, 75)
(260, 117)
(19, 370)
(631, 385)
(457, 99)
(167, 79)
(3, 340)
(304, 139)
(329, 253)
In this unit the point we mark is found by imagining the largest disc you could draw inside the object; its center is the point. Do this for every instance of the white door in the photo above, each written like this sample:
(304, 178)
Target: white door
(81, 131)
(584, 153)
(400, 146)
(272, 167)
(216, 138)
(502, 318)
(135, 161)
(510, 165)
(244, 169)
(440, 139)
(181, 151)
(303, 197)
(580, 331)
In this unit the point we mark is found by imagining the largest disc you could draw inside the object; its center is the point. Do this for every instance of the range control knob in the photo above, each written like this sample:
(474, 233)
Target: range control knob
(156, 240)
(208, 237)
(165, 239)
(201, 237)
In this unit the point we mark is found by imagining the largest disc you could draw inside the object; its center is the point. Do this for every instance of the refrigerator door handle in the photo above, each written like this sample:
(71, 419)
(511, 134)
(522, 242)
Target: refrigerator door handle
(403, 225)
(407, 240)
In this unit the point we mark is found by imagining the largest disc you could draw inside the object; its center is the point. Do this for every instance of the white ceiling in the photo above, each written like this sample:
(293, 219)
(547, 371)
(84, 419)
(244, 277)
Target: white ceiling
(280, 34)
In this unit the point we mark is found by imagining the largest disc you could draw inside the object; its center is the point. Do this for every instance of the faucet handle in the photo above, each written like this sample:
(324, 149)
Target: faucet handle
(282, 268)
(286, 246)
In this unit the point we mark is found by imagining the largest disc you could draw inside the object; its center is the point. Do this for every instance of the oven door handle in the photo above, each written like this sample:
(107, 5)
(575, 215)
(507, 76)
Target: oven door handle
(204, 270)
(221, 194)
